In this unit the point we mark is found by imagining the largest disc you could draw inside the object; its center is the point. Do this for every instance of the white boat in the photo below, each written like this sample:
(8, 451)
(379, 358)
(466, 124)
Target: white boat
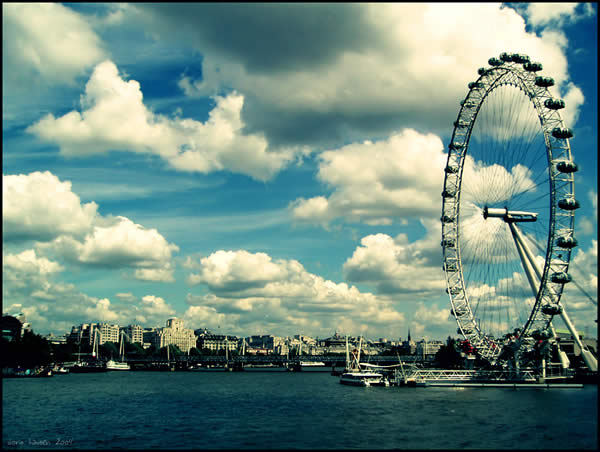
(119, 365)
(363, 378)
(355, 376)
(312, 363)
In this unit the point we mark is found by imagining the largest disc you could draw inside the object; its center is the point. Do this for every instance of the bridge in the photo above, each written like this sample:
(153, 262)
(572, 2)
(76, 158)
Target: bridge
(186, 361)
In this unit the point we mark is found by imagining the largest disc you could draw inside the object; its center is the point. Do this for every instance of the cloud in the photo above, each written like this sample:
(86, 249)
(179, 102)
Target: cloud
(254, 291)
(374, 67)
(114, 117)
(117, 243)
(45, 43)
(378, 182)
(396, 267)
(541, 14)
(39, 206)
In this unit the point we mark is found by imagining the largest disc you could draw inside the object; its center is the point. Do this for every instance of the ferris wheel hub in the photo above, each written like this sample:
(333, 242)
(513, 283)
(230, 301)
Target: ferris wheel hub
(510, 216)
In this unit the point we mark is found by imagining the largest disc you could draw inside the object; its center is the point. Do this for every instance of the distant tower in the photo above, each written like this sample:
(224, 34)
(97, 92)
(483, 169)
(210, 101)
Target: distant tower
(409, 335)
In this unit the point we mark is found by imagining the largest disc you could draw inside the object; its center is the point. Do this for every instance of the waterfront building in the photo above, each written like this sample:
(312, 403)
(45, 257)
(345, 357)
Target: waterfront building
(174, 334)
(56, 340)
(134, 333)
(428, 349)
(84, 333)
(305, 339)
(216, 342)
(108, 332)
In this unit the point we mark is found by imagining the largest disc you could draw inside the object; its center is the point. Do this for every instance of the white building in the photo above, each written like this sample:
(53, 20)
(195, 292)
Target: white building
(134, 333)
(108, 333)
(175, 334)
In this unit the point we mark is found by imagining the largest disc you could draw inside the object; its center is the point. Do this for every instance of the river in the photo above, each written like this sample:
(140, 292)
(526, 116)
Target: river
(286, 410)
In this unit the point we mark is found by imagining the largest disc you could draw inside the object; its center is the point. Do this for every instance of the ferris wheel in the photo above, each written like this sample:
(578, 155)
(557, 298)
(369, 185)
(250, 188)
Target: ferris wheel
(508, 210)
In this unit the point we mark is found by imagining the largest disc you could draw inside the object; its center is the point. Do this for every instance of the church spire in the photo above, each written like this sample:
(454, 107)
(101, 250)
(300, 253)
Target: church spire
(409, 334)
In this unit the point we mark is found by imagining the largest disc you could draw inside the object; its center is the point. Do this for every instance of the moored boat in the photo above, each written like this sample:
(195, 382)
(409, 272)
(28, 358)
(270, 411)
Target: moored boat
(117, 365)
(363, 378)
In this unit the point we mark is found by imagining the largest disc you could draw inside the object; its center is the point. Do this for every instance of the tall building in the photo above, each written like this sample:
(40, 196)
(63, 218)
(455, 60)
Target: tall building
(133, 334)
(175, 334)
(217, 342)
(84, 333)
(108, 332)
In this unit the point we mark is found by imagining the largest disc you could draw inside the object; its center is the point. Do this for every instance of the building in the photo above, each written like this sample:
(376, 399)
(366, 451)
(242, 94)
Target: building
(408, 347)
(428, 349)
(174, 334)
(134, 334)
(108, 332)
(148, 335)
(217, 342)
(56, 340)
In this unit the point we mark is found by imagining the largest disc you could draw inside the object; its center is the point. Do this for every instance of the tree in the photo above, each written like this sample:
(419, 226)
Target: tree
(448, 357)
(29, 351)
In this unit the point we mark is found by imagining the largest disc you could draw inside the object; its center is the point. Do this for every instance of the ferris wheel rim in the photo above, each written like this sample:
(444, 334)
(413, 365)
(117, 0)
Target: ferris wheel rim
(514, 70)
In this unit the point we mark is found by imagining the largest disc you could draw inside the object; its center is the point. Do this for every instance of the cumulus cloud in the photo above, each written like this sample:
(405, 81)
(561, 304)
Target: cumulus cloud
(410, 271)
(378, 182)
(39, 206)
(540, 14)
(113, 117)
(250, 288)
(374, 67)
(28, 286)
(45, 43)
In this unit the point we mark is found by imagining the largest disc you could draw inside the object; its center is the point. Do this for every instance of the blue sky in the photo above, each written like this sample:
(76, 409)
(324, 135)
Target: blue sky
(258, 168)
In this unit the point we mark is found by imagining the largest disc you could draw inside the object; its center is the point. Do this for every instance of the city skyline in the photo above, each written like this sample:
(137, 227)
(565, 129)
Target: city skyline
(282, 177)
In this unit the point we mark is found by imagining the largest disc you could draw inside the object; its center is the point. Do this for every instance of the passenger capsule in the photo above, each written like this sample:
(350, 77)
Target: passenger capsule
(495, 62)
(552, 309)
(468, 103)
(567, 166)
(505, 57)
(533, 67)
(544, 82)
(448, 194)
(562, 132)
(568, 204)
(567, 242)
(446, 219)
(475, 85)
(560, 278)
(456, 146)
(461, 124)
(481, 70)
(520, 58)
(448, 243)
(451, 169)
(554, 104)
(541, 334)
(453, 291)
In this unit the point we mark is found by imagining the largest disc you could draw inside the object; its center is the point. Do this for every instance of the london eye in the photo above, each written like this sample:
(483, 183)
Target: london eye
(508, 212)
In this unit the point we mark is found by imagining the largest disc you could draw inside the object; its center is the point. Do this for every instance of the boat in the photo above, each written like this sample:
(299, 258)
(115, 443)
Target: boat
(355, 376)
(91, 366)
(312, 363)
(57, 369)
(119, 365)
(363, 378)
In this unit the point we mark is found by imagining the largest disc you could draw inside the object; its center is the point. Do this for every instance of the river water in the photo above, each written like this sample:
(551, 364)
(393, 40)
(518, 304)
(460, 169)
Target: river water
(286, 410)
